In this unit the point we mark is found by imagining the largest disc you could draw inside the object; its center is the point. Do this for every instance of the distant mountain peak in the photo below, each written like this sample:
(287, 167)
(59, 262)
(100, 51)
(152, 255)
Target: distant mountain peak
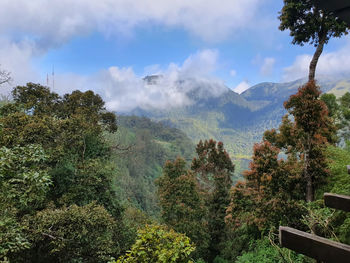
(152, 79)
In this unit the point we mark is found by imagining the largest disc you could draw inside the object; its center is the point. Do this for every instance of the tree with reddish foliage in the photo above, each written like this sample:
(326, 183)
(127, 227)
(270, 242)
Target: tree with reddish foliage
(276, 187)
(214, 169)
(307, 135)
(314, 130)
(270, 193)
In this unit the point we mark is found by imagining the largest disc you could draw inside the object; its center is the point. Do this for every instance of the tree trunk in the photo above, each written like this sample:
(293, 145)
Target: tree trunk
(307, 175)
(317, 54)
(309, 188)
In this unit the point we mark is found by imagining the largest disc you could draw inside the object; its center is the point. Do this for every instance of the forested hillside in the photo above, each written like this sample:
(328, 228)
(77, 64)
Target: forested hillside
(143, 147)
(79, 184)
(64, 160)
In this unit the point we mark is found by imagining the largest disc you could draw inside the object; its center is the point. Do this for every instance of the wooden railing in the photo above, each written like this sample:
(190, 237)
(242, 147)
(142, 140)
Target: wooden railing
(319, 248)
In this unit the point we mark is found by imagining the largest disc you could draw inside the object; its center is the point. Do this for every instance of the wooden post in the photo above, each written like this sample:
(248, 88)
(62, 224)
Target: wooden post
(313, 246)
(348, 168)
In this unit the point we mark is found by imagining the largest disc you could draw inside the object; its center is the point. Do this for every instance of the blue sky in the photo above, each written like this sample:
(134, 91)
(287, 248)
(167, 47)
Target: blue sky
(109, 45)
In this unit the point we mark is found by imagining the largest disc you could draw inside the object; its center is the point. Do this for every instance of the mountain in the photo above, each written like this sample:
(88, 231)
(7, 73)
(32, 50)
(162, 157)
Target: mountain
(238, 120)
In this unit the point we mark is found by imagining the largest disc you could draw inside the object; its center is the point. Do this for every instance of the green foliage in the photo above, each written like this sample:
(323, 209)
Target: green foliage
(72, 234)
(214, 169)
(156, 243)
(24, 180)
(144, 147)
(182, 204)
(338, 183)
(12, 236)
(35, 98)
(24, 183)
(332, 105)
(309, 24)
(343, 114)
(53, 154)
(238, 241)
(263, 252)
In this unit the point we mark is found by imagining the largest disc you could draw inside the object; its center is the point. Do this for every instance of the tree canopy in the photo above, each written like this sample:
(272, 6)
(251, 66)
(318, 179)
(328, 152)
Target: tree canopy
(309, 24)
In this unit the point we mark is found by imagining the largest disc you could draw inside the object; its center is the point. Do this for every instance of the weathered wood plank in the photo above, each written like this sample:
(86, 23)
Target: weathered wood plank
(313, 246)
(341, 202)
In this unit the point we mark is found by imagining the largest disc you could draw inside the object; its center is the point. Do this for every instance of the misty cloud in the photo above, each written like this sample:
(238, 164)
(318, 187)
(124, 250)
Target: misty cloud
(17, 59)
(123, 90)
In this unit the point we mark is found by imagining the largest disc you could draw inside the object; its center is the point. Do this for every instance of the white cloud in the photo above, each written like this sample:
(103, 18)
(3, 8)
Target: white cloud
(330, 63)
(17, 59)
(123, 90)
(233, 73)
(267, 66)
(202, 63)
(56, 21)
(241, 87)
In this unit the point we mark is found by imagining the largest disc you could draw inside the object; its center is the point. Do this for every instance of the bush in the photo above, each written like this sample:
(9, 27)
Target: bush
(157, 243)
(72, 234)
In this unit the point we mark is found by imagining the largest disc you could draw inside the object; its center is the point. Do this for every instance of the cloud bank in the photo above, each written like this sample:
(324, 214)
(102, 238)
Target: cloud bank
(55, 22)
(123, 90)
(29, 29)
(335, 63)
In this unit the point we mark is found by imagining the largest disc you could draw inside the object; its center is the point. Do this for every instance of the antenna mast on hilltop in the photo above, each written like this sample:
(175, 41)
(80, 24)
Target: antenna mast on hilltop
(47, 80)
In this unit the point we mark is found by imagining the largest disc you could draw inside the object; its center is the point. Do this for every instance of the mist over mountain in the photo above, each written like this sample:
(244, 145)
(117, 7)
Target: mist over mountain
(238, 120)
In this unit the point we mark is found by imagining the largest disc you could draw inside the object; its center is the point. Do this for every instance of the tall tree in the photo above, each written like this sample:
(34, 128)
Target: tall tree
(270, 192)
(182, 204)
(307, 136)
(309, 24)
(215, 169)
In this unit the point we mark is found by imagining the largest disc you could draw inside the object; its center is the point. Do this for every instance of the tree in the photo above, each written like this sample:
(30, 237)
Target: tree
(158, 244)
(215, 169)
(36, 99)
(182, 204)
(315, 130)
(54, 155)
(72, 234)
(332, 105)
(308, 24)
(5, 77)
(271, 192)
(342, 113)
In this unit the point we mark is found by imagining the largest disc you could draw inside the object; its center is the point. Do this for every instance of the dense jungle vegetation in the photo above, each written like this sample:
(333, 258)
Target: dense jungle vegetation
(79, 184)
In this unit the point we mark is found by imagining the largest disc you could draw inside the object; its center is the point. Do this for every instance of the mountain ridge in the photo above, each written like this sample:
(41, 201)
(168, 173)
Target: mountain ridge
(238, 120)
